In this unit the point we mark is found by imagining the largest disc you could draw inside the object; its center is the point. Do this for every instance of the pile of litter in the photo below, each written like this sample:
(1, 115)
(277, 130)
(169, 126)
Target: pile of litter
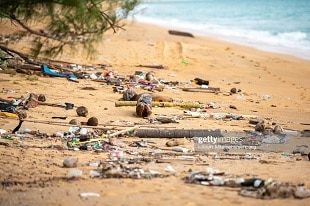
(252, 187)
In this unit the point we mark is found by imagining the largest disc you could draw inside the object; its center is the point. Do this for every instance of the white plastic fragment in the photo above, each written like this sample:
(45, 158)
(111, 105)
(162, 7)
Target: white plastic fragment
(74, 173)
(93, 173)
(2, 131)
(73, 129)
(153, 172)
(93, 76)
(180, 149)
(290, 132)
(59, 134)
(169, 168)
(94, 164)
(217, 181)
(89, 194)
(83, 131)
(186, 157)
(205, 183)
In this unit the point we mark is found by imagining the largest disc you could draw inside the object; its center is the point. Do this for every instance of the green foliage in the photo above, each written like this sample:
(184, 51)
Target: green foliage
(57, 23)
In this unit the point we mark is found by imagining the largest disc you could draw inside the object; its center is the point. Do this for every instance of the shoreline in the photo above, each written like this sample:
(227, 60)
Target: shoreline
(282, 50)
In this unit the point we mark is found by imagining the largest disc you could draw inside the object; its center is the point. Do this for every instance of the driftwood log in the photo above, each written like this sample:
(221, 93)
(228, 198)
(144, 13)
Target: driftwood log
(180, 33)
(160, 104)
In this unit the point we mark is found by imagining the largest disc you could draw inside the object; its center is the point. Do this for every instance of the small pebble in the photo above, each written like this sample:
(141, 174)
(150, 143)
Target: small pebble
(70, 162)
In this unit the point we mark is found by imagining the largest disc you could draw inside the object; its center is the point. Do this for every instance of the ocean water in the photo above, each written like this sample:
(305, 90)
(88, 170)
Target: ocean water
(281, 26)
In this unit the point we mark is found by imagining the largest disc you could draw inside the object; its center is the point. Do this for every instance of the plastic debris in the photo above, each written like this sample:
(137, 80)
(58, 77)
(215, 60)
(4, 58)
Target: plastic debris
(93, 173)
(3, 131)
(252, 187)
(74, 173)
(169, 168)
(180, 149)
(89, 194)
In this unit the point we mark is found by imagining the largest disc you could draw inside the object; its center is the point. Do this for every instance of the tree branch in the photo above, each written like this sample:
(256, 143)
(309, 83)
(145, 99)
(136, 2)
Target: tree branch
(23, 56)
(12, 17)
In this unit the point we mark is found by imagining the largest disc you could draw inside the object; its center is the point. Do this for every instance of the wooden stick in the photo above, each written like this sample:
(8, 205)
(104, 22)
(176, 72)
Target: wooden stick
(159, 104)
(153, 66)
(29, 67)
(131, 129)
(104, 136)
(207, 90)
(67, 125)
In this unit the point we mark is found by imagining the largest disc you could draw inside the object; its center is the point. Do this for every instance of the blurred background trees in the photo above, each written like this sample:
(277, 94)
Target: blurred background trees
(51, 25)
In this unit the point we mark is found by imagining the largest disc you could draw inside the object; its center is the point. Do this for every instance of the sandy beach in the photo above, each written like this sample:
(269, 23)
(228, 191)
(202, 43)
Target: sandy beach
(272, 87)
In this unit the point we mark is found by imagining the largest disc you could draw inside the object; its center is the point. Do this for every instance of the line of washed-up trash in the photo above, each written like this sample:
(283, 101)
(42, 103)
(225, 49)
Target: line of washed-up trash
(249, 187)
(127, 158)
